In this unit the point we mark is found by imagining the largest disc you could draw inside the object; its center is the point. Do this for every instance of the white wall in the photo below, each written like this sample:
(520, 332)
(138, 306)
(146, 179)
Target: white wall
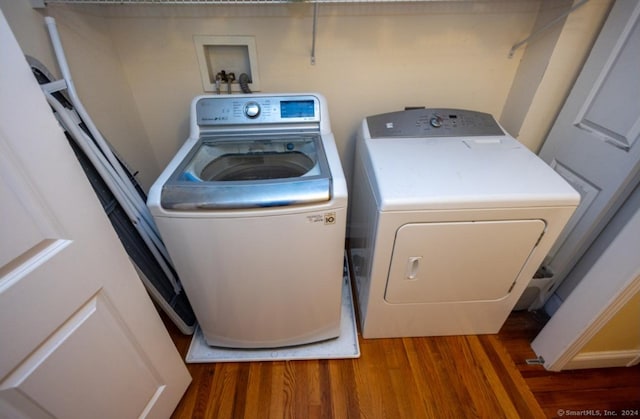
(551, 64)
(137, 71)
(97, 74)
(533, 64)
(371, 58)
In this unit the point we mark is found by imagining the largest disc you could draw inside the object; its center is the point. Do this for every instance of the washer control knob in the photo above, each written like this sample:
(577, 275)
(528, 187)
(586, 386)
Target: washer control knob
(436, 121)
(252, 109)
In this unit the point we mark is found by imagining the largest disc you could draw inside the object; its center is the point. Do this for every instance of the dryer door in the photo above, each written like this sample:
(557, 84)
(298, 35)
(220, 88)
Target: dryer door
(459, 261)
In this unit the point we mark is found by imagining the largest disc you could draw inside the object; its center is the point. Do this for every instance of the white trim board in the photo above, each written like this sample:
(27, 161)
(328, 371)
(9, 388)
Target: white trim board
(604, 359)
(611, 282)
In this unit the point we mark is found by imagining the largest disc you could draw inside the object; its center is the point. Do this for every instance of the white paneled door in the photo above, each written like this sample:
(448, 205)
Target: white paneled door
(594, 142)
(79, 336)
(595, 145)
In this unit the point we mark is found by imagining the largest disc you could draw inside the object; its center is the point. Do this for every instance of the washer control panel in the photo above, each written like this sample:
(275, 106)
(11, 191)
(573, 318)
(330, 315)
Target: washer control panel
(256, 109)
(417, 123)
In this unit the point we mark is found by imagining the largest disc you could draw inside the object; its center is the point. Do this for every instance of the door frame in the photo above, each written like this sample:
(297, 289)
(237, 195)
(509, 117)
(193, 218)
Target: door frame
(595, 300)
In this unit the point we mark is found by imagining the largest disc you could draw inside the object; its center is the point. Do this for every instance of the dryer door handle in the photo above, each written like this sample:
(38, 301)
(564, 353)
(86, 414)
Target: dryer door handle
(413, 265)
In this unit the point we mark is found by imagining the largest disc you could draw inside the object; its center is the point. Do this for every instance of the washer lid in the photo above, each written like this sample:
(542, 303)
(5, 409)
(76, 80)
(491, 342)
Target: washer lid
(249, 172)
(460, 173)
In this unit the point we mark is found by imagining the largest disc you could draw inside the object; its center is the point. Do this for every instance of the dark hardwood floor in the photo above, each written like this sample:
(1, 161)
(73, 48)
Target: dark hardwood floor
(588, 392)
(482, 376)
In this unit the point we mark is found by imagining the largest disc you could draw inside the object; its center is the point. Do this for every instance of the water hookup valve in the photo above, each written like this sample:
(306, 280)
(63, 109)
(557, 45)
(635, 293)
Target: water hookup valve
(224, 77)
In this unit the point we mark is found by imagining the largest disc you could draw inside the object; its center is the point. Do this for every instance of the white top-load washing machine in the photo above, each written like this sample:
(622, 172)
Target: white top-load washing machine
(253, 212)
(450, 219)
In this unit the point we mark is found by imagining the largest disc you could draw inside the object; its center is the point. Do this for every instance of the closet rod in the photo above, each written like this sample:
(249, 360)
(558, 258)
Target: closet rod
(546, 26)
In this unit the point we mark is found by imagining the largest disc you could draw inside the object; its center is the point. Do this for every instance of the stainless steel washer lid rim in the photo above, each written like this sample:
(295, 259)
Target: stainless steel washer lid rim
(250, 172)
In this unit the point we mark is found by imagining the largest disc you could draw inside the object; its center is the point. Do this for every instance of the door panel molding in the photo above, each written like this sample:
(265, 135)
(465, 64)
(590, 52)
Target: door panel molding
(594, 138)
(616, 126)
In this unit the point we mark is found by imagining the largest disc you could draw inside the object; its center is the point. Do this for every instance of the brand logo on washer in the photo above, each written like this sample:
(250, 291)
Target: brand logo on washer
(329, 218)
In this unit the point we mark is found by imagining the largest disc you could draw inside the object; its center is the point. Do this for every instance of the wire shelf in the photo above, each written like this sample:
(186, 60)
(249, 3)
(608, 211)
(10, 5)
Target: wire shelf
(205, 2)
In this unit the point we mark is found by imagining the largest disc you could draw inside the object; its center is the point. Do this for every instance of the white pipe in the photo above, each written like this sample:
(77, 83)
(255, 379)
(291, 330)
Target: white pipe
(73, 96)
(130, 190)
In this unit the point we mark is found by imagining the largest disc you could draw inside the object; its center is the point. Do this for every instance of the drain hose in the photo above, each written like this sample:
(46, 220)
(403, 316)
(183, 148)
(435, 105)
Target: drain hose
(243, 81)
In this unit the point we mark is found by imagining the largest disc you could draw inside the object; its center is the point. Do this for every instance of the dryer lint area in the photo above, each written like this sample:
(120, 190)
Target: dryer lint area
(451, 218)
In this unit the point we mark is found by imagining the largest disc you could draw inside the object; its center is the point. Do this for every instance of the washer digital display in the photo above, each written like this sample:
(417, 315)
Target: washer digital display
(297, 108)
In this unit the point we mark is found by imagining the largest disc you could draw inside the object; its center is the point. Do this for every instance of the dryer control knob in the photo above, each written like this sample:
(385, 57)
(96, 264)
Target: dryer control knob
(252, 109)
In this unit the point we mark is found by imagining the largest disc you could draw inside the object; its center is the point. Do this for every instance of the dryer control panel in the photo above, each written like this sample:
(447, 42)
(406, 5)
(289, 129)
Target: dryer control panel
(256, 109)
(419, 123)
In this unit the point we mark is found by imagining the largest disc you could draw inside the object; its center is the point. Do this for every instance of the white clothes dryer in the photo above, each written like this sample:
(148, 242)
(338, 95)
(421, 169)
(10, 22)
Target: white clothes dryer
(450, 219)
(252, 210)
